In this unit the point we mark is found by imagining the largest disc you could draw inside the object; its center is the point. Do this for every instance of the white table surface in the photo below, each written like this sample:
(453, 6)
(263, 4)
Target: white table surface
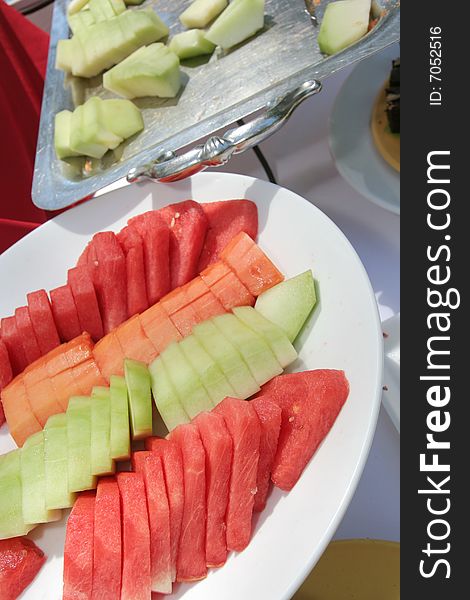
(300, 158)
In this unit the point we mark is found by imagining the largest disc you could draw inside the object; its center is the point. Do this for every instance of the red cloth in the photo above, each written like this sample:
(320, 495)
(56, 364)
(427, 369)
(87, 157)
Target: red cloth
(23, 59)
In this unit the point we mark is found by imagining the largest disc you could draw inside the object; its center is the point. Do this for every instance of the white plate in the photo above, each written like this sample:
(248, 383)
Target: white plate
(344, 333)
(351, 143)
(391, 393)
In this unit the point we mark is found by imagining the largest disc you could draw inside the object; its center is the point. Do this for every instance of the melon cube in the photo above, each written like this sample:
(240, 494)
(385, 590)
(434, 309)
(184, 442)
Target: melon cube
(66, 54)
(240, 20)
(80, 20)
(343, 23)
(143, 26)
(87, 135)
(121, 117)
(62, 147)
(201, 12)
(188, 44)
(101, 10)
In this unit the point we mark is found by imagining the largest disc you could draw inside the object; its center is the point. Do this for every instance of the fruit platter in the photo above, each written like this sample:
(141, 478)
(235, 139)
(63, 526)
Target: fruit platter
(191, 378)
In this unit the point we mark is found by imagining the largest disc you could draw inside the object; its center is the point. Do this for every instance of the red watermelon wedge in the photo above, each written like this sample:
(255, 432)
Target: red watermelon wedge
(191, 562)
(84, 295)
(269, 414)
(26, 332)
(218, 447)
(243, 424)
(65, 313)
(44, 327)
(107, 541)
(20, 561)
(172, 462)
(149, 464)
(135, 582)
(12, 341)
(310, 402)
(78, 551)
(188, 225)
(155, 234)
(133, 246)
(226, 219)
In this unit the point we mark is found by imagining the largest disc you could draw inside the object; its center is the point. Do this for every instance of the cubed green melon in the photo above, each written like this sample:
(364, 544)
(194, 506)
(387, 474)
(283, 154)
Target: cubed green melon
(144, 26)
(122, 117)
(344, 22)
(78, 413)
(255, 351)
(120, 428)
(33, 482)
(191, 393)
(201, 12)
(228, 358)
(11, 513)
(101, 461)
(210, 374)
(118, 6)
(275, 337)
(66, 54)
(289, 303)
(80, 20)
(188, 44)
(239, 21)
(166, 398)
(101, 10)
(140, 399)
(56, 463)
(104, 44)
(76, 5)
(88, 135)
(62, 124)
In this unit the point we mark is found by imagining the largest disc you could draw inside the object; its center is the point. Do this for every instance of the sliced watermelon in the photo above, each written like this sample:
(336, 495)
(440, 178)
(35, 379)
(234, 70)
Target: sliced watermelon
(26, 332)
(155, 234)
(109, 356)
(6, 374)
(172, 462)
(84, 295)
(269, 414)
(65, 313)
(310, 402)
(108, 272)
(191, 562)
(78, 551)
(134, 343)
(149, 464)
(226, 219)
(133, 246)
(244, 427)
(158, 327)
(12, 340)
(20, 561)
(107, 541)
(135, 582)
(218, 446)
(40, 313)
(188, 225)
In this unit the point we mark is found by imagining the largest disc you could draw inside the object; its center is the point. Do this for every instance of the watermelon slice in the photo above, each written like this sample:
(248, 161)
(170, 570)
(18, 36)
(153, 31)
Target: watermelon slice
(191, 562)
(20, 561)
(188, 225)
(108, 272)
(155, 234)
(218, 446)
(172, 462)
(149, 464)
(310, 402)
(269, 415)
(135, 582)
(158, 327)
(134, 343)
(26, 332)
(226, 219)
(244, 427)
(109, 356)
(21, 420)
(78, 551)
(44, 327)
(133, 246)
(12, 340)
(107, 541)
(65, 313)
(84, 295)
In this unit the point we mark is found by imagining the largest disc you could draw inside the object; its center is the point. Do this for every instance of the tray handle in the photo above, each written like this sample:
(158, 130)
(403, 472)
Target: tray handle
(216, 151)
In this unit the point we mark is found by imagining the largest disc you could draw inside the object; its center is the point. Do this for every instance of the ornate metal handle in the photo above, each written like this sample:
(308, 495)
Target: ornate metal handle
(217, 150)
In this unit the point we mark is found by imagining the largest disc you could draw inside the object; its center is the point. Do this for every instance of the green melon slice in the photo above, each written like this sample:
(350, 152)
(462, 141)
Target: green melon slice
(343, 23)
(239, 21)
(118, 6)
(75, 6)
(144, 26)
(288, 304)
(166, 397)
(190, 43)
(78, 413)
(101, 10)
(80, 20)
(201, 12)
(122, 117)
(11, 514)
(101, 461)
(56, 463)
(120, 448)
(62, 126)
(88, 136)
(66, 55)
(140, 400)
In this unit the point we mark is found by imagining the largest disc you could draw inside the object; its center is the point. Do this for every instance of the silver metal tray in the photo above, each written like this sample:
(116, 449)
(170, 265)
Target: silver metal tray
(274, 71)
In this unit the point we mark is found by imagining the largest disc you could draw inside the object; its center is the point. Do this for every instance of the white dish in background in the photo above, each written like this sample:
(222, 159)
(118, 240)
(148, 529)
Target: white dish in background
(391, 392)
(351, 143)
(344, 333)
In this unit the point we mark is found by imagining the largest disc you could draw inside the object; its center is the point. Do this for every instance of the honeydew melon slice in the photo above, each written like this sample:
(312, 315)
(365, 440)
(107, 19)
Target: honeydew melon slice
(62, 124)
(33, 482)
(101, 461)
(289, 303)
(76, 5)
(144, 26)
(79, 20)
(78, 413)
(140, 401)
(66, 54)
(56, 463)
(228, 358)
(190, 43)
(118, 6)
(191, 393)
(344, 22)
(101, 10)
(210, 374)
(201, 12)
(239, 21)
(120, 445)
(88, 136)
(104, 44)
(166, 397)
(122, 117)
(277, 340)
(11, 514)
(255, 351)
